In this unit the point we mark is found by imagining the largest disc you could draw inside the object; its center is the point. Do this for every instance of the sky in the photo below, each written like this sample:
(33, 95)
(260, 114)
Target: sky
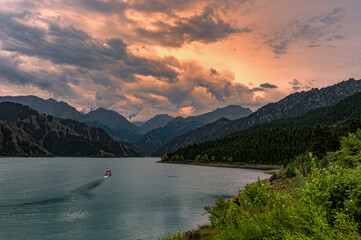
(178, 57)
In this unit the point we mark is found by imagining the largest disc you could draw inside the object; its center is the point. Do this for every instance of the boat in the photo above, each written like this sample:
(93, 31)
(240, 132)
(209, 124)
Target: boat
(107, 173)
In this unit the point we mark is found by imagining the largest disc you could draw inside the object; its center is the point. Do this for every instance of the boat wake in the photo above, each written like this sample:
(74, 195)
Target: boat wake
(81, 192)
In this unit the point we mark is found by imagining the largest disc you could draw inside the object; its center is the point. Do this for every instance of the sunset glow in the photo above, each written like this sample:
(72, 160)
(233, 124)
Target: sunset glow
(176, 57)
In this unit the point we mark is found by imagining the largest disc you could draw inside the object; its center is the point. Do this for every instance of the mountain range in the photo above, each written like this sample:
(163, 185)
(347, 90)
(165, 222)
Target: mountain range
(25, 132)
(116, 124)
(290, 106)
(164, 134)
(150, 135)
(154, 139)
(278, 141)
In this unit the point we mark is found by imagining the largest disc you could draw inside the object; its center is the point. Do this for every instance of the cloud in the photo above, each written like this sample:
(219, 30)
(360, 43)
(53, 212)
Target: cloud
(13, 68)
(206, 27)
(257, 89)
(312, 32)
(268, 85)
(298, 85)
(70, 46)
(186, 111)
(71, 63)
(195, 88)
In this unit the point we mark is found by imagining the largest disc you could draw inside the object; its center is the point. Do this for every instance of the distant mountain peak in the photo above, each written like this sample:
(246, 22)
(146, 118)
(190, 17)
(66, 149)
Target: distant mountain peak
(157, 121)
(154, 139)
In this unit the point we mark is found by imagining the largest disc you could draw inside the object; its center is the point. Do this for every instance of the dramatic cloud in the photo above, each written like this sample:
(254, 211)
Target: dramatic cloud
(70, 46)
(181, 57)
(206, 27)
(191, 94)
(127, 83)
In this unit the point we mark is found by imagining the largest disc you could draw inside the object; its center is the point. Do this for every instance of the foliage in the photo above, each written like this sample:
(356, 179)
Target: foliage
(267, 214)
(326, 205)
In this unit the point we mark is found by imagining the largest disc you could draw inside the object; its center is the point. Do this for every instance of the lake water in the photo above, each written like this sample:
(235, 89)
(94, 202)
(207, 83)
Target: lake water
(68, 198)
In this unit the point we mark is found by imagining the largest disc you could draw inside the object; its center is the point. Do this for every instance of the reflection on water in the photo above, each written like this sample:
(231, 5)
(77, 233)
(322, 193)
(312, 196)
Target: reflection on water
(68, 198)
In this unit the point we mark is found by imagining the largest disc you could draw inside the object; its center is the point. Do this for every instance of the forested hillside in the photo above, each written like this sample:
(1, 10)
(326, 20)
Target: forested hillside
(293, 105)
(280, 140)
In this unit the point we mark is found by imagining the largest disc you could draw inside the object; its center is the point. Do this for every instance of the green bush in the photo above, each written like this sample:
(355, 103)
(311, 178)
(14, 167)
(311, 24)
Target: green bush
(319, 210)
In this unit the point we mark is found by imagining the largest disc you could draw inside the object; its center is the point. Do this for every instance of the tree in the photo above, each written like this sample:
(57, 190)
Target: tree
(354, 125)
(318, 142)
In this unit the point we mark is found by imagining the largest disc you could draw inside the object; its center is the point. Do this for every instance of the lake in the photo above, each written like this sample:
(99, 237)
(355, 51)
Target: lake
(68, 198)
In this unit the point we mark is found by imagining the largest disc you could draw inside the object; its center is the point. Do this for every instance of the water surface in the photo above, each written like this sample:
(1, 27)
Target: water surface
(68, 198)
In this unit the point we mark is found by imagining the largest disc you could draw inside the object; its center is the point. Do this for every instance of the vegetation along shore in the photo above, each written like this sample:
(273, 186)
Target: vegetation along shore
(311, 198)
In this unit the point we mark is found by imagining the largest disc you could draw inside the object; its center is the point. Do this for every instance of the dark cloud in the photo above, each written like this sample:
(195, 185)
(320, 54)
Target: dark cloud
(110, 6)
(65, 61)
(268, 85)
(257, 89)
(206, 27)
(153, 6)
(70, 46)
(295, 84)
(172, 29)
(298, 85)
(11, 70)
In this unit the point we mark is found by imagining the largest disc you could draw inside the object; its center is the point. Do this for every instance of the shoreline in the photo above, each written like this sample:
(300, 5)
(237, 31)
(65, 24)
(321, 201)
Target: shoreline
(204, 230)
(269, 169)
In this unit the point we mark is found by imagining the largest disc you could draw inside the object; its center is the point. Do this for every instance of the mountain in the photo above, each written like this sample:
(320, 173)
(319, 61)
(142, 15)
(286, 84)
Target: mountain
(290, 106)
(49, 106)
(115, 124)
(25, 132)
(122, 129)
(278, 141)
(154, 139)
(157, 121)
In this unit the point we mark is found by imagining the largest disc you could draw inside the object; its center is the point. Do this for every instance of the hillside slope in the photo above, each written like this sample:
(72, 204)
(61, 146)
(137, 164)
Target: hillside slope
(115, 124)
(112, 122)
(290, 106)
(280, 140)
(25, 132)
